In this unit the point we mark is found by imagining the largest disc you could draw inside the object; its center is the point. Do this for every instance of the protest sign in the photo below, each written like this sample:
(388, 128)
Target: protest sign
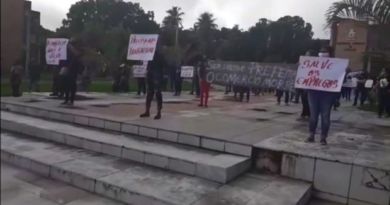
(187, 71)
(369, 83)
(139, 71)
(254, 75)
(319, 73)
(56, 50)
(142, 47)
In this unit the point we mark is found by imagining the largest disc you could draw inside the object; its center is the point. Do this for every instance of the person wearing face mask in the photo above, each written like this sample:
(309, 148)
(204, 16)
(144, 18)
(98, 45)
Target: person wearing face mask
(320, 103)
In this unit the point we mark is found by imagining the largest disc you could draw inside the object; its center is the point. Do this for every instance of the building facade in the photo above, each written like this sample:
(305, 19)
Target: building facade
(366, 46)
(12, 32)
(20, 34)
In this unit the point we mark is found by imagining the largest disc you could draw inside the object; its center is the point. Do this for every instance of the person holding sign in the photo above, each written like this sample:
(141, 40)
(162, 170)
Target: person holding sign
(322, 77)
(154, 80)
(70, 68)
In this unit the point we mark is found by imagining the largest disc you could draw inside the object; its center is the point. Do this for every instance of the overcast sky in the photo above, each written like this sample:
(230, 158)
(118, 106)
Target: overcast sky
(227, 12)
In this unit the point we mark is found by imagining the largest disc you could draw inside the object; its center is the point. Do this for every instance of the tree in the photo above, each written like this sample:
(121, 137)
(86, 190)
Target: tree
(171, 28)
(105, 27)
(205, 29)
(375, 11)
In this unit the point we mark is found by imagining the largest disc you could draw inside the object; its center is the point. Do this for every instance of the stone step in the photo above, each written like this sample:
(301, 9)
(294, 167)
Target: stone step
(211, 165)
(86, 119)
(137, 184)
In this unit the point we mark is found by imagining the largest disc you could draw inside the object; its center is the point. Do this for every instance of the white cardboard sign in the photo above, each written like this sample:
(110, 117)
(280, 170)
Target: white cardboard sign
(187, 72)
(320, 73)
(56, 50)
(142, 47)
(139, 71)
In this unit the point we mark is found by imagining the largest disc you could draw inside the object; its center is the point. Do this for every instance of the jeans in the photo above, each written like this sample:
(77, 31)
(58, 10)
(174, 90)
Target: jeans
(320, 104)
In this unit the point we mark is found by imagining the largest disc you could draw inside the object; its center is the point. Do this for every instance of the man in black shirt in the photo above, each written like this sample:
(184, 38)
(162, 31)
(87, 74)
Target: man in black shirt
(154, 80)
(73, 66)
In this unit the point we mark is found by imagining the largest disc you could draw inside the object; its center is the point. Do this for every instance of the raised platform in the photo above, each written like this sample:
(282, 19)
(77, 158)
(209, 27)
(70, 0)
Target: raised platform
(353, 168)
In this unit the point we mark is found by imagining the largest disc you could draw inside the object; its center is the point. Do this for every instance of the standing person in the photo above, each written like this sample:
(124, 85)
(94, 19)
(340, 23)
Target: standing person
(360, 90)
(34, 76)
(71, 67)
(16, 78)
(279, 95)
(56, 82)
(320, 103)
(384, 94)
(195, 87)
(348, 88)
(178, 81)
(204, 85)
(305, 105)
(141, 86)
(154, 80)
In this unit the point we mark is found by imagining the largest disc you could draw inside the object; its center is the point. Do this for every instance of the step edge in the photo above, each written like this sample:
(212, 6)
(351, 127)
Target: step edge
(247, 153)
(195, 163)
(53, 166)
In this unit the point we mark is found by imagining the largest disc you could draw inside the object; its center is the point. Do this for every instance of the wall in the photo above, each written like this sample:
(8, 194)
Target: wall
(12, 28)
(351, 42)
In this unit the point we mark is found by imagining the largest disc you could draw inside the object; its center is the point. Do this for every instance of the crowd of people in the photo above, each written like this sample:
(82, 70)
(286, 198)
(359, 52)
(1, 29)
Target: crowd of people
(359, 87)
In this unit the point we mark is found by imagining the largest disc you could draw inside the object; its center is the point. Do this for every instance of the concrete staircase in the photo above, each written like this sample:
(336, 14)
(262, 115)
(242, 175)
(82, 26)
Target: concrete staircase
(140, 170)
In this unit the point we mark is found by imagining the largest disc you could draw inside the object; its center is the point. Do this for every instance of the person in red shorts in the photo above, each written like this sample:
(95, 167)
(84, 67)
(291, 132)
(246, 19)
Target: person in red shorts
(204, 85)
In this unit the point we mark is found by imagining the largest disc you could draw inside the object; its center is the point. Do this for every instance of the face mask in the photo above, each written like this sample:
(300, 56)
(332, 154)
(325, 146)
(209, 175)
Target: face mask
(323, 55)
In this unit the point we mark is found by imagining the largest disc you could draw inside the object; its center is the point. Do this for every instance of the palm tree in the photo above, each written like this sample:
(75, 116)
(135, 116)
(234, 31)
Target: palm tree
(205, 29)
(374, 11)
(174, 18)
(206, 21)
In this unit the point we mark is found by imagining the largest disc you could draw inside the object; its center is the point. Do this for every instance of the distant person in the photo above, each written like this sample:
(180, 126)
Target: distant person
(348, 85)
(70, 68)
(204, 85)
(298, 94)
(141, 86)
(383, 87)
(195, 87)
(16, 78)
(154, 80)
(34, 77)
(305, 105)
(57, 85)
(360, 91)
(320, 103)
(178, 81)
(280, 92)
(241, 91)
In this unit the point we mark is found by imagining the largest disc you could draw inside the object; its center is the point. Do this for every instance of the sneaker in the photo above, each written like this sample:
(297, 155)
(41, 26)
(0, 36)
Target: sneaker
(200, 105)
(309, 140)
(323, 142)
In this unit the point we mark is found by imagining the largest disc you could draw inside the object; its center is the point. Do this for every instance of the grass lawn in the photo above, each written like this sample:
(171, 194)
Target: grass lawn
(97, 85)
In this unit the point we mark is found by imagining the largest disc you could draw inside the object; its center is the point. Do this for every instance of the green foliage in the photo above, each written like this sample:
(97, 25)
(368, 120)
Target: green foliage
(377, 11)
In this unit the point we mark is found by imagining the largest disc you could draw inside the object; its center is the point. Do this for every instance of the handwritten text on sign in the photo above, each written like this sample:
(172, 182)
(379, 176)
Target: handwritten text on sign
(187, 71)
(139, 71)
(250, 74)
(142, 47)
(56, 50)
(318, 73)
